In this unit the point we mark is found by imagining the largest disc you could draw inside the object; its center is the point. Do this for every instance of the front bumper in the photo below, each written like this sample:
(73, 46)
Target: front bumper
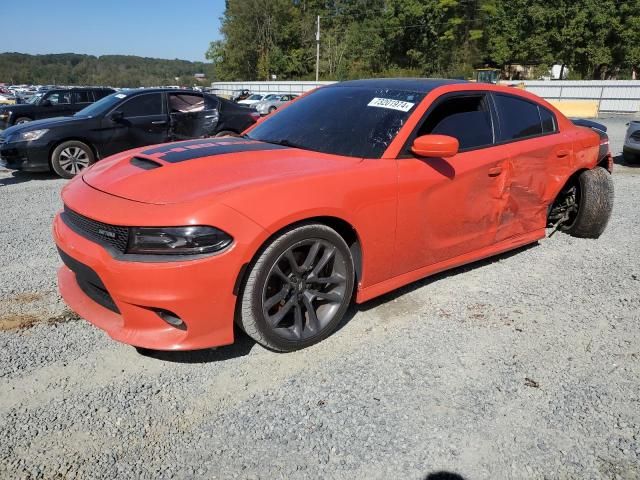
(200, 292)
(27, 156)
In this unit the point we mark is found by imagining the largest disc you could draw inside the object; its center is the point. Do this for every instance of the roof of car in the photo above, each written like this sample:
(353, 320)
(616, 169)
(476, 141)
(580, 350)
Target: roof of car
(422, 85)
(154, 90)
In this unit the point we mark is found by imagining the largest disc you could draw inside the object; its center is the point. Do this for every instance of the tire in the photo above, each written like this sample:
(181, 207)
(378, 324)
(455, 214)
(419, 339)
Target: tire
(630, 158)
(273, 304)
(272, 109)
(21, 120)
(71, 157)
(595, 203)
(225, 133)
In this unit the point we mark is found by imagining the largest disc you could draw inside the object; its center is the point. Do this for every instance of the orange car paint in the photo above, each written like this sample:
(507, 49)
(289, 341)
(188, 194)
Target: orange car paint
(412, 216)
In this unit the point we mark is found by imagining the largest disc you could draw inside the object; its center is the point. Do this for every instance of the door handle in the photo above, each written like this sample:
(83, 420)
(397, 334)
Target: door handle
(495, 171)
(159, 122)
(562, 153)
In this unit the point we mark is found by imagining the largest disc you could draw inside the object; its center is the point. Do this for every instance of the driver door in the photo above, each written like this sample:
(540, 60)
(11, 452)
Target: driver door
(144, 122)
(451, 206)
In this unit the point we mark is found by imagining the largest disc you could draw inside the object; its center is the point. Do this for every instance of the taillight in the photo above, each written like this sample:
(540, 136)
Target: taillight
(255, 116)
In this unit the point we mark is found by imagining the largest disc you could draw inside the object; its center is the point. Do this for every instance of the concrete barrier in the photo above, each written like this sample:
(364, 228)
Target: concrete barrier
(577, 108)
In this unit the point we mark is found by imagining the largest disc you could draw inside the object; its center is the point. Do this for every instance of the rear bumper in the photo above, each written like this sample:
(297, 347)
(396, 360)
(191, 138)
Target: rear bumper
(30, 157)
(635, 150)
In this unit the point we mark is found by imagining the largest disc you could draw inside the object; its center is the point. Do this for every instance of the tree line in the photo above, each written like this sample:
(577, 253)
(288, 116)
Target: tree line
(111, 70)
(593, 39)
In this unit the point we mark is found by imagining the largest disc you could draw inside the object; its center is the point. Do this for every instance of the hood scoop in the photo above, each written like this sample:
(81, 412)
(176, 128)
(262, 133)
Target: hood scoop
(145, 163)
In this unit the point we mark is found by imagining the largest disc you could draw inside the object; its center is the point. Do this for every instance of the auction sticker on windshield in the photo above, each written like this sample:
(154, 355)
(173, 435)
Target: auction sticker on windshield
(391, 103)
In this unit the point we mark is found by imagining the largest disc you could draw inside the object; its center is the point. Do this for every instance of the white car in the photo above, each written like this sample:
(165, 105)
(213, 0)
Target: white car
(252, 99)
(631, 148)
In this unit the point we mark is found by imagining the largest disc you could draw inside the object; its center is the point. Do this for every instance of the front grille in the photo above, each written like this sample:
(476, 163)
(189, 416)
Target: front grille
(103, 233)
(89, 282)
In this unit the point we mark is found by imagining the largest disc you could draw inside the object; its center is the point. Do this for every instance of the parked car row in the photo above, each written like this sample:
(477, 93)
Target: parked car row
(75, 138)
(264, 103)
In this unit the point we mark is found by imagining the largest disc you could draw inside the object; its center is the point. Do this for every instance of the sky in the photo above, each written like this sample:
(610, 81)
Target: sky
(161, 29)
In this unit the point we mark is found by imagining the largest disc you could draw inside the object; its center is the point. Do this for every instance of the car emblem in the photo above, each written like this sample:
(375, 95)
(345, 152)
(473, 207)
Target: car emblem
(106, 233)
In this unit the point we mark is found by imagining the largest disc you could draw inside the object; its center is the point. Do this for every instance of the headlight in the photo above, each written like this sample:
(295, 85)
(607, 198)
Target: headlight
(177, 240)
(32, 135)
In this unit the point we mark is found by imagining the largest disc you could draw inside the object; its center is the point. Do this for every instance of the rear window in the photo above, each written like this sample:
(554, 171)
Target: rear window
(520, 118)
(350, 121)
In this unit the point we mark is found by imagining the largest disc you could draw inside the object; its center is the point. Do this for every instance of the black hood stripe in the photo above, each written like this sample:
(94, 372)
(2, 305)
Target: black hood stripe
(182, 151)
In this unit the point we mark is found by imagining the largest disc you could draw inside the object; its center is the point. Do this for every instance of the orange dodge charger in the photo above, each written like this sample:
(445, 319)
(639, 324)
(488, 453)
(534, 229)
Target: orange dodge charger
(347, 193)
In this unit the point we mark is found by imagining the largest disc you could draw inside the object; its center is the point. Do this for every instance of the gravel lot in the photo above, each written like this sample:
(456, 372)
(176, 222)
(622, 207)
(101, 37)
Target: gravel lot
(524, 366)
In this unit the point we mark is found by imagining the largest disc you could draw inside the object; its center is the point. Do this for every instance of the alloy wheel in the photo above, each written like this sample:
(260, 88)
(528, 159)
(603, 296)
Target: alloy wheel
(73, 159)
(304, 289)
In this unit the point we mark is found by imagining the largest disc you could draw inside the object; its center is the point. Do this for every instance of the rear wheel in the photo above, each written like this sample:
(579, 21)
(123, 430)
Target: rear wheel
(298, 289)
(70, 158)
(586, 204)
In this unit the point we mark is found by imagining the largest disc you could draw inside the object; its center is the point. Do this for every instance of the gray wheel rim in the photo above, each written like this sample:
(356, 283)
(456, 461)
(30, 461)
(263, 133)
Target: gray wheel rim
(21, 121)
(73, 159)
(305, 289)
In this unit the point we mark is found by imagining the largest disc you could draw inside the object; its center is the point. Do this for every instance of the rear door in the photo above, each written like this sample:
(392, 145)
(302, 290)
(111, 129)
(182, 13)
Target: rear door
(192, 115)
(538, 151)
(448, 207)
(144, 122)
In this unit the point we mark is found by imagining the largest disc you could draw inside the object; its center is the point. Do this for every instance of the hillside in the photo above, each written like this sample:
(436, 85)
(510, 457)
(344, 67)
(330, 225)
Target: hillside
(112, 70)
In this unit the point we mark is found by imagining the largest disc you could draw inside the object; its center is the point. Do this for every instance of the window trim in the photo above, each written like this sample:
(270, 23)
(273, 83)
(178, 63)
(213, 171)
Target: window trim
(555, 131)
(125, 100)
(405, 152)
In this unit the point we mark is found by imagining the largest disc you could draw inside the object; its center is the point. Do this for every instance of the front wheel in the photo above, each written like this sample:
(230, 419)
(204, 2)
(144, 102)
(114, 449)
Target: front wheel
(298, 290)
(70, 158)
(21, 120)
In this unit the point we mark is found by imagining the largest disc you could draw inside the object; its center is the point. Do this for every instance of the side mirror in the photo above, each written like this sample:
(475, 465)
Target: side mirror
(439, 146)
(46, 103)
(116, 116)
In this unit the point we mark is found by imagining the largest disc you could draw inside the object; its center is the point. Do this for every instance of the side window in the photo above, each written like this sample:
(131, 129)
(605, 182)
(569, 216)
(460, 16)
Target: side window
(465, 117)
(518, 118)
(548, 120)
(81, 97)
(185, 103)
(142, 105)
(59, 98)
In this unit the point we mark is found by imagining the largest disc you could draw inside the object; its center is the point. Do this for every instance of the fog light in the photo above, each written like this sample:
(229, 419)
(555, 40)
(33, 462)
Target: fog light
(172, 319)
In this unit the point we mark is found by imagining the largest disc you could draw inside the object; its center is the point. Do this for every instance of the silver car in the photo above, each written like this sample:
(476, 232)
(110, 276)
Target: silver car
(631, 149)
(272, 102)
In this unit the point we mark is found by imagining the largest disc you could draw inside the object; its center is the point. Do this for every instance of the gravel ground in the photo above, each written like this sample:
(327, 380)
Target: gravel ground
(524, 366)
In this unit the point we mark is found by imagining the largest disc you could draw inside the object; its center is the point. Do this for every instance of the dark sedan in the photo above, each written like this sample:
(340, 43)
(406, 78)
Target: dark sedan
(118, 122)
(59, 102)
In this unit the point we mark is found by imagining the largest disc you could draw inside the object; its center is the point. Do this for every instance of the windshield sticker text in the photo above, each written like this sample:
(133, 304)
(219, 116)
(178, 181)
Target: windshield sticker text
(390, 103)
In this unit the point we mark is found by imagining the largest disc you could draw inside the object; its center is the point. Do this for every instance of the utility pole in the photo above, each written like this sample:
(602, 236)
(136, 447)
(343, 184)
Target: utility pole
(318, 50)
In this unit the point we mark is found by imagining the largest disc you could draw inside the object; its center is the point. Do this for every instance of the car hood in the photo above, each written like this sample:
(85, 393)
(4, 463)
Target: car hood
(42, 124)
(185, 171)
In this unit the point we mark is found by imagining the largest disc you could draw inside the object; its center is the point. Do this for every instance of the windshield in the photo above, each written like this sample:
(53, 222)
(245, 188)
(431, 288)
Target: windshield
(352, 121)
(255, 97)
(101, 106)
(35, 100)
(271, 96)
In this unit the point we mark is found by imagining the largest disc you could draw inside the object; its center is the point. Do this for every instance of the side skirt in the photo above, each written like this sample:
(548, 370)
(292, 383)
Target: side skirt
(396, 282)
